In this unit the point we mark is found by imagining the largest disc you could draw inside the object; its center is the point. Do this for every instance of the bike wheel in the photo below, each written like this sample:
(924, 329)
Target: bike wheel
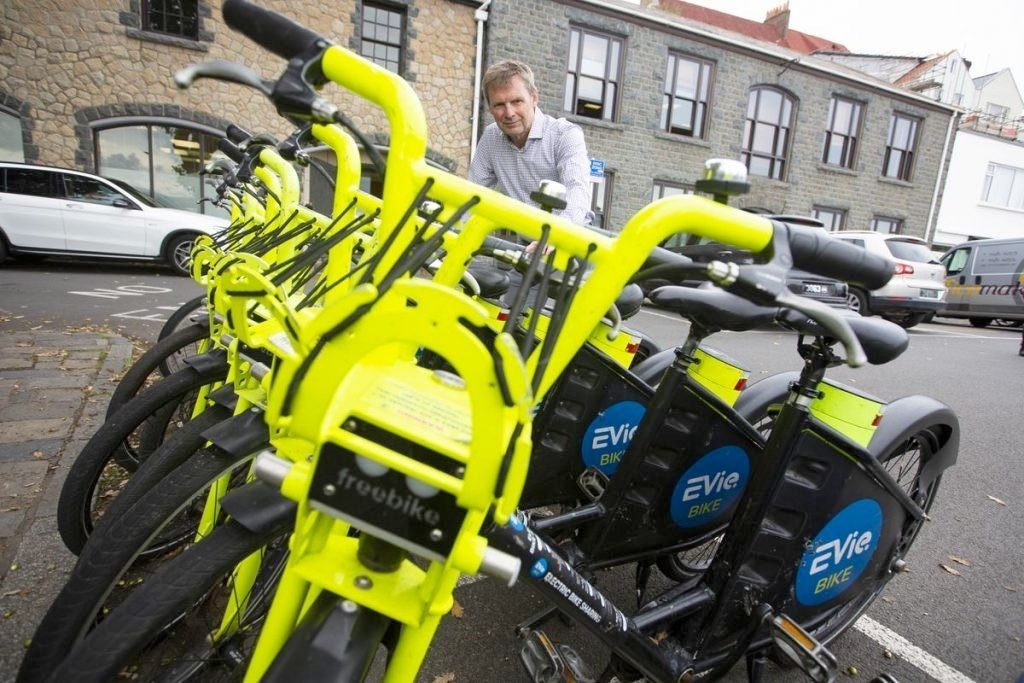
(127, 551)
(904, 463)
(163, 359)
(166, 628)
(98, 473)
(181, 318)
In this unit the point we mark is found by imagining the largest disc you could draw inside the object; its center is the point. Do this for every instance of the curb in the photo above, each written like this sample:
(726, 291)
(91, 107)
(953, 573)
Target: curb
(54, 389)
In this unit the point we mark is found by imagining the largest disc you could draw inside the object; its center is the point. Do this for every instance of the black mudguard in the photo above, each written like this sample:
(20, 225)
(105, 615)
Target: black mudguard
(209, 362)
(258, 506)
(335, 643)
(909, 415)
(240, 435)
(224, 397)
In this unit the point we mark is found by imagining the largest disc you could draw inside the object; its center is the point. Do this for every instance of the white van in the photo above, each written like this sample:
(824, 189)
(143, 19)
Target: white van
(984, 281)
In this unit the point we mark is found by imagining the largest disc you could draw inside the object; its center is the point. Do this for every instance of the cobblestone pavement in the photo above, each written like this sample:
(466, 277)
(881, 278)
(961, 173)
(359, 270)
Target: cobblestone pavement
(54, 388)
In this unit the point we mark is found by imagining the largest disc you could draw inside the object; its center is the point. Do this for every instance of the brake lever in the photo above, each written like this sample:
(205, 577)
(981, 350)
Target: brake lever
(765, 287)
(223, 70)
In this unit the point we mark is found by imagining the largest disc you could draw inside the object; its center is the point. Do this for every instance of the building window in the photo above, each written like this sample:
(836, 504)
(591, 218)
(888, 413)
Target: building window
(173, 17)
(664, 188)
(1004, 186)
(162, 161)
(841, 131)
(998, 111)
(684, 104)
(892, 226)
(899, 150)
(11, 139)
(382, 30)
(834, 219)
(601, 198)
(767, 132)
(591, 84)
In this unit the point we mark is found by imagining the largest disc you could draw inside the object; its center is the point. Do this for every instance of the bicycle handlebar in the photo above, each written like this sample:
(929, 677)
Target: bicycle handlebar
(814, 251)
(267, 28)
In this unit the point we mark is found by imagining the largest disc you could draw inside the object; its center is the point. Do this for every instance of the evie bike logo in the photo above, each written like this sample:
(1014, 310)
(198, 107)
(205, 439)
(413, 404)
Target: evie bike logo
(608, 436)
(840, 553)
(710, 486)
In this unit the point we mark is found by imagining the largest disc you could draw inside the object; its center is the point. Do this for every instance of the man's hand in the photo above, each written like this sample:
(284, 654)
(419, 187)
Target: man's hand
(532, 247)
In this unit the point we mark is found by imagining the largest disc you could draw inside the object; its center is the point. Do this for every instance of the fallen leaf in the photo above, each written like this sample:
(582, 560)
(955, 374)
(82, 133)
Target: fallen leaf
(850, 671)
(950, 570)
(660, 636)
(996, 500)
(1010, 588)
(1015, 639)
(37, 454)
(457, 612)
(445, 678)
(960, 560)
(886, 599)
(887, 654)
(10, 593)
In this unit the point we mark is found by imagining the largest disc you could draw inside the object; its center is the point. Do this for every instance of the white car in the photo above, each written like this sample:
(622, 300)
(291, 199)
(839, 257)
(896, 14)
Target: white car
(54, 211)
(917, 289)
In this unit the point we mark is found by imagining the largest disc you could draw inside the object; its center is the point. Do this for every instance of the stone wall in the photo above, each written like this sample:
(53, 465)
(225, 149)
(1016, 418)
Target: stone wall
(638, 154)
(67, 65)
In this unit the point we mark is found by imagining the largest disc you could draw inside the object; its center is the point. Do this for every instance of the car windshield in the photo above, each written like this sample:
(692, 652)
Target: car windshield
(139, 196)
(909, 250)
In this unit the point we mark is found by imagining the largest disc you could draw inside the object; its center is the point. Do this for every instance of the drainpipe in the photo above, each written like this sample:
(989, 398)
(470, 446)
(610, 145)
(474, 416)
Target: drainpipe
(930, 227)
(481, 18)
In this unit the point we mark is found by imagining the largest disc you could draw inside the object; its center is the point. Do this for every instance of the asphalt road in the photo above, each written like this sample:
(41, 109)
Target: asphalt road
(936, 625)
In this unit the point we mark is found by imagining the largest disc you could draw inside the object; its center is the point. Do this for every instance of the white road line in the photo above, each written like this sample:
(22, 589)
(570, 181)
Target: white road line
(904, 649)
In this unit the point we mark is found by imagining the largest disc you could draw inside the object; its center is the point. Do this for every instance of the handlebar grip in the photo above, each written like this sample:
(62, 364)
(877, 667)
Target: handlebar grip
(270, 30)
(815, 251)
(236, 134)
(492, 243)
(230, 150)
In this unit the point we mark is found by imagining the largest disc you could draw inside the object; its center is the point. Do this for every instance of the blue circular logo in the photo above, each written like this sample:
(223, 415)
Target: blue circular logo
(608, 436)
(516, 522)
(539, 568)
(839, 554)
(710, 486)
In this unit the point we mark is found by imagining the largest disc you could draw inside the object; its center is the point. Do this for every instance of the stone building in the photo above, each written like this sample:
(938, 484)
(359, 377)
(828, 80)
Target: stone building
(88, 85)
(658, 93)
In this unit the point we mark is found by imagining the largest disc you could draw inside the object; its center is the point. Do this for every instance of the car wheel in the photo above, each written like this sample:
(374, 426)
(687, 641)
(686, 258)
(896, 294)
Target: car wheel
(3, 249)
(907, 321)
(179, 254)
(857, 301)
(980, 322)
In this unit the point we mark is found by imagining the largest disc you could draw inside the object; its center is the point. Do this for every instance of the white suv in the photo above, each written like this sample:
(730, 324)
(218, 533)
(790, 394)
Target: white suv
(917, 289)
(56, 211)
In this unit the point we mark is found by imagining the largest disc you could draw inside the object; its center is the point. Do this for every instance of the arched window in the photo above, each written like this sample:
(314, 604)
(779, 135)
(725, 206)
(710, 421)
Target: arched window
(767, 133)
(12, 146)
(159, 158)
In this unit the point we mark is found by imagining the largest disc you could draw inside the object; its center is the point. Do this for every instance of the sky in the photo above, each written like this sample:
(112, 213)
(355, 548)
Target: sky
(988, 33)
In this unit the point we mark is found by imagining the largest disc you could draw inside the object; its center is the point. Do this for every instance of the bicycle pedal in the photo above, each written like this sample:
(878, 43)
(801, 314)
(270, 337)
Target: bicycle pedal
(547, 662)
(803, 649)
(592, 482)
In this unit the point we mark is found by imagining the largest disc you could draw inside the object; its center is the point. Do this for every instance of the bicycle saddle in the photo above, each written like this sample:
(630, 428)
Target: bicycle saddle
(882, 340)
(712, 308)
(493, 281)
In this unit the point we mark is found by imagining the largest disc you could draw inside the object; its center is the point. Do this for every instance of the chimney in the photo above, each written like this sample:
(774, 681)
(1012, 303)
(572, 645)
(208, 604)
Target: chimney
(778, 18)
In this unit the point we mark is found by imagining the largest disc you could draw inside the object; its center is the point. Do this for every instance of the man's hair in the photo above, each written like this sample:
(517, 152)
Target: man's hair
(502, 73)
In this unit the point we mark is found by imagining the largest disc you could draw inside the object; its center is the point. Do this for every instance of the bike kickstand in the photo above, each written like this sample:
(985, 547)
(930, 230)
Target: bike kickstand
(534, 620)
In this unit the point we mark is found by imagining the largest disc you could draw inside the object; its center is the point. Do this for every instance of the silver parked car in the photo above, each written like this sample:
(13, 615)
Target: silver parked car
(54, 211)
(917, 289)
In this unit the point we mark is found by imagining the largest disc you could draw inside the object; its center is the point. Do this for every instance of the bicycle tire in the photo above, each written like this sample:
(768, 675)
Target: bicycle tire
(173, 601)
(156, 360)
(181, 315)
(97, 464)
(115, 561)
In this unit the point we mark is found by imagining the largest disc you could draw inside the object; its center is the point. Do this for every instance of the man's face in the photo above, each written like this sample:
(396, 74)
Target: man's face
(512, 107)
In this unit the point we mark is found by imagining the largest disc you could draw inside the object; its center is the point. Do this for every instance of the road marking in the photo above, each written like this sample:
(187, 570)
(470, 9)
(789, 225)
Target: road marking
(903, 648)
(123, 290)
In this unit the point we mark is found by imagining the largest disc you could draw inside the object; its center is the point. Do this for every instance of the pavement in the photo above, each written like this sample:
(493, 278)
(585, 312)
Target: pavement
(54, 389)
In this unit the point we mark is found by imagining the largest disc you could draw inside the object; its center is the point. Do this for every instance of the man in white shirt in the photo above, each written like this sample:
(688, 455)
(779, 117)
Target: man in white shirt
(524, 145)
